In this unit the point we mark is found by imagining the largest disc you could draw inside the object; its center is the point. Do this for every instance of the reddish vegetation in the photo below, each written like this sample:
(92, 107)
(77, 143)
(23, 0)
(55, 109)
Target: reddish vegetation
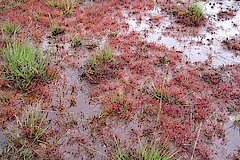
(199, 93)
(236, 155)
(178, 9)
(233, 44)
(226, 14)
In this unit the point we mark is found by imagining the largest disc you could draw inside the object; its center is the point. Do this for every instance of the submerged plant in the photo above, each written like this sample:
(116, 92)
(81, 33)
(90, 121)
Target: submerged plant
(23, 63)
(100, 65)
(26, 133)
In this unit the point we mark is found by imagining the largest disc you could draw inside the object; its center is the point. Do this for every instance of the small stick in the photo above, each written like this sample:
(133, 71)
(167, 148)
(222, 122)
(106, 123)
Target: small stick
(90, 148)
(196, 140)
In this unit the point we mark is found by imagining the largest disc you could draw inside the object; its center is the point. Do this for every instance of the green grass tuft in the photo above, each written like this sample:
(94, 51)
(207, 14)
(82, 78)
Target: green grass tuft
(100, 65)
(27, 132)
(9, 28)
(66, 6)
(164, 59)
(23, 63)
(194, 14)
(153, 153)
(9, 31)
(54, 3)
(145, 152)
(55, 29)
(160, 94)
(76, 41)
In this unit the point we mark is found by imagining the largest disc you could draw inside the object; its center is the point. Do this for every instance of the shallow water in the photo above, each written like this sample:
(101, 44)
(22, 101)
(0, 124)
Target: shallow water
(199, 48)
(223, 148)
(206, 45)
(82, 105)
(71, 78)
(2, 139)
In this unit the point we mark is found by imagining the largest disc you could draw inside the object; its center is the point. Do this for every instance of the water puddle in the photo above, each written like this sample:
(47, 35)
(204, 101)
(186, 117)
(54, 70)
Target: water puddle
(2, 141)
(82, 104)
(223, 149)
(233, 132)
(204, 46)
(69, 91)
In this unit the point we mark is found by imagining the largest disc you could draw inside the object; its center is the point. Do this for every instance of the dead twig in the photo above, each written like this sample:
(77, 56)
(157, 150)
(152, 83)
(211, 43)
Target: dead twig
(196, 140)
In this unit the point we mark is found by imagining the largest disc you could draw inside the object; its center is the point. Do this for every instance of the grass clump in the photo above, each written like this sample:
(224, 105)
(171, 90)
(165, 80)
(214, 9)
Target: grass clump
(69, 6)
(55, 29)
(116, 103)
(76, 41)
(193, 15)
(160, 94)
(146, 152)
(25, 135)
(164, 59)
(23, 63)
(120, 99)
(66, 6)
(163, 94)
(152, 153)
(54, 3)
(101, 65)
(9, 30)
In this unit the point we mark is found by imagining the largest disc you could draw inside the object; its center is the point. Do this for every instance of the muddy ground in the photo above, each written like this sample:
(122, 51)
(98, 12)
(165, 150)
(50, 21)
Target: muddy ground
(196, 67)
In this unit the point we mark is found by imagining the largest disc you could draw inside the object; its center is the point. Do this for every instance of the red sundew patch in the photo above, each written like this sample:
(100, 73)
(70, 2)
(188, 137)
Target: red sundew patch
(236, 154)
(237, 78)
(178, 9)
(116, 103)
(226, 14)
(137, 5)
(94, 19)
(178, 133)
(39, 91)
(16, 16)
(44, 20)
(202, 109)
(202, 151)
(190, 84)
(143, 67)
(55, 13)
(197, 93)
(232, 44)
(9, 105)
(37, 35)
